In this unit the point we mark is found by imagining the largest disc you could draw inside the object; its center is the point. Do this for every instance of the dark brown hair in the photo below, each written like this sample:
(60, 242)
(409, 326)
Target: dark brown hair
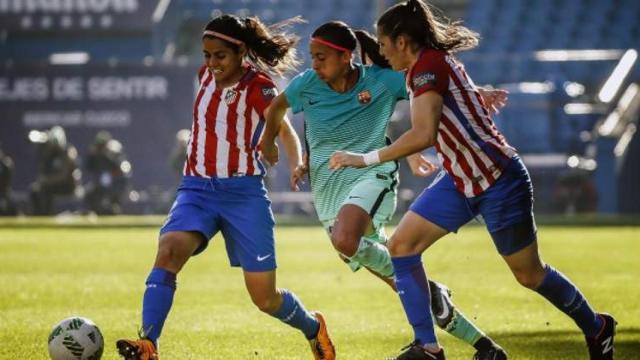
(339, 33)
(268, 47)
(425, 28)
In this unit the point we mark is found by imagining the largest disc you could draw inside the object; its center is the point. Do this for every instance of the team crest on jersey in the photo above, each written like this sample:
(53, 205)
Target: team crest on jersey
(269, 93)
(231, 97)
(422, 79)
(364, 97)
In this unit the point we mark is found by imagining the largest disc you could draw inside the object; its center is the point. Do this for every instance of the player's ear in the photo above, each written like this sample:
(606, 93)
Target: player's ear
(401, 42)
(242, 50)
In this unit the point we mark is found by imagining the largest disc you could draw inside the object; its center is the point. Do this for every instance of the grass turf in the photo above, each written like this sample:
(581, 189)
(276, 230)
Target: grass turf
(47, 274)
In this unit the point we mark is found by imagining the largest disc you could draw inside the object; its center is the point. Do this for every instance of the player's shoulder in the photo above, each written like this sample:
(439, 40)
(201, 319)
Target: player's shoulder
(260, 79)
(431, 57)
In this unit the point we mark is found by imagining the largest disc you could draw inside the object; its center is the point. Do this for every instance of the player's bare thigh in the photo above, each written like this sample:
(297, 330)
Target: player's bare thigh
(414, 235)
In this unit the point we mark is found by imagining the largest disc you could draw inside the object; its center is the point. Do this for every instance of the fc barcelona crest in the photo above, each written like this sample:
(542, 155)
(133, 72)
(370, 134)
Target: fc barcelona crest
(231, 97)
(364, 97)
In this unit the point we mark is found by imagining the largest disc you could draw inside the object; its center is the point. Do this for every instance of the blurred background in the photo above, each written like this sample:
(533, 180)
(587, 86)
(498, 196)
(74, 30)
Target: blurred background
(95, 96)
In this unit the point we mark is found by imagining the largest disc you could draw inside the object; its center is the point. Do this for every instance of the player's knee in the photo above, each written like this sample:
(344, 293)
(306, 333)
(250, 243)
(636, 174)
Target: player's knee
(169, 253)
(266, 304)
(396, 247)
(528, 279)
(346, 242)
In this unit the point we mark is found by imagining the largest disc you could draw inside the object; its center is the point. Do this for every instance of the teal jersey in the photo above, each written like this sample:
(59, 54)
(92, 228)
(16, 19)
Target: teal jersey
(354, 121)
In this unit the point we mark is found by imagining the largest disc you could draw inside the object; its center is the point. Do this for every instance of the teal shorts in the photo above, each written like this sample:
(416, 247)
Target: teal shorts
(378, 198)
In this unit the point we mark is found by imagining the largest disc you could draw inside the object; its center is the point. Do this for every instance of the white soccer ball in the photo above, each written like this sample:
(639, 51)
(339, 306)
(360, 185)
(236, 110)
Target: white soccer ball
(75, 338)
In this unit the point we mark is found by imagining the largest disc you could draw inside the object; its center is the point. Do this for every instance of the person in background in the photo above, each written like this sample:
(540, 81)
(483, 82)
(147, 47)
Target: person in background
(108, 171)
(58, 173)
(7, 206)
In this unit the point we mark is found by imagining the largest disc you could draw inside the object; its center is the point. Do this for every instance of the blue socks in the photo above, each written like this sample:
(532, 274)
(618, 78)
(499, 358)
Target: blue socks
(562, 293)
(158, 297)
(413, 289)
(292, 312)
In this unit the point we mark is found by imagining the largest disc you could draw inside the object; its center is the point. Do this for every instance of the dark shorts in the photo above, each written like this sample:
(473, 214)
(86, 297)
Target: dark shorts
(236, 206)
(506, 207)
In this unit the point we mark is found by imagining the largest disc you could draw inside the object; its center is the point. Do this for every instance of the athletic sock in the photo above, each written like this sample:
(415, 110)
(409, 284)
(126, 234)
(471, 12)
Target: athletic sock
(293, 312)
(463, 329)
(413, 289)
(156, 303)
(374, 256)
(562, 293)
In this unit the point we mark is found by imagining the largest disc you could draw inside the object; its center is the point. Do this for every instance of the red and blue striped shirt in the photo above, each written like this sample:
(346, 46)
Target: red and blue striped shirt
(470, 147)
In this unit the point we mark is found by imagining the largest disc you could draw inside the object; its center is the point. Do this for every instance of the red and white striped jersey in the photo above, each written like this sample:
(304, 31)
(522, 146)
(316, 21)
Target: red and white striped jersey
(227, 125)
(472, 151)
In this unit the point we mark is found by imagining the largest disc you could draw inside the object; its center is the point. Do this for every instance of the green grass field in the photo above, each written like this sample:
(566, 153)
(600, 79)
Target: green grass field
(47, 274)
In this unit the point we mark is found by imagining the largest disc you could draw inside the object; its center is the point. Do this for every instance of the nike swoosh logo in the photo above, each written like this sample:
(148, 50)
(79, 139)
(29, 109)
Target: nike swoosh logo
(313, 102)
(263, 258)
(445, 311)
(355, 197)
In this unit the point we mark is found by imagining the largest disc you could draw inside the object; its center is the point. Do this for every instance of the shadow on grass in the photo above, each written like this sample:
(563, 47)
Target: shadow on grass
(566, 344)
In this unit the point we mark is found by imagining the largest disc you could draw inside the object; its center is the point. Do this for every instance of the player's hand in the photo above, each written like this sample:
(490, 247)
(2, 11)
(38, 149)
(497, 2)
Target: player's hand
(270, 152)
(494, 99)
(297, 176)
(342, 159)
(420, 166)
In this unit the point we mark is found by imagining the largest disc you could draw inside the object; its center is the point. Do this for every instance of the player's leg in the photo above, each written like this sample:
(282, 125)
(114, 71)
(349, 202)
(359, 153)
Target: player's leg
(349, 238)
(359, 221)
(174, 249)
(438, 210)
(507, 208)
(247, 225)
(190, 223)
(414, 235)
(285, 306)
(450, 319)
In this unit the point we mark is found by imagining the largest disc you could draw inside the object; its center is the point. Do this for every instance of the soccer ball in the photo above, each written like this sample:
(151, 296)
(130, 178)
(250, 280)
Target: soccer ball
(75, 338)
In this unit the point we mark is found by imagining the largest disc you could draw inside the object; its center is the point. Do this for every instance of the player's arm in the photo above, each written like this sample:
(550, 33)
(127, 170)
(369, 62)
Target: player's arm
(292, 147)
(274, 115)
(426, 110)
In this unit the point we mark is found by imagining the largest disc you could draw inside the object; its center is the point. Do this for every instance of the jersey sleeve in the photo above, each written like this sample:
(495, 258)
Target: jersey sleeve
(261, 94)
(294, 90)
(393, 80)
(430, 73)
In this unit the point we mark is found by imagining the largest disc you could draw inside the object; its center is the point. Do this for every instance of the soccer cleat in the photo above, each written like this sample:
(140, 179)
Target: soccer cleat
(494, 353)
(415, 351)
(321, 346)
(601, 346)
(142, 349)
(441, 305)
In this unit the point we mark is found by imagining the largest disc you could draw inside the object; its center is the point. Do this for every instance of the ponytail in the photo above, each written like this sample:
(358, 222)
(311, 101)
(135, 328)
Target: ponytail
(370, 49)
(426, 28)
(268, 47)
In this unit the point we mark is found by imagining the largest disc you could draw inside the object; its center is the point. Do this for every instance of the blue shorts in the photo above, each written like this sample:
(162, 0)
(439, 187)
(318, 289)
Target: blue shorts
(506, 207)
(237, 206)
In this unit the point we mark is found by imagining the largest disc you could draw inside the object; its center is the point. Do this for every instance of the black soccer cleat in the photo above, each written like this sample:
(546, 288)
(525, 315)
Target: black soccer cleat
(493, 353)
(415, 351)
(601, 346)
(441, 305)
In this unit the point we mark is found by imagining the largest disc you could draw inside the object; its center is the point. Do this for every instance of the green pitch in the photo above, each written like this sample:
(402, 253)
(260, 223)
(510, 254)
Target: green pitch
(47, 274)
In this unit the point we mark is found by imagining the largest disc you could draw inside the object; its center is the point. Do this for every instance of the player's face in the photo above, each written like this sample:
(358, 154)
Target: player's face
(329, 64)
(222, 61)
(390, 51)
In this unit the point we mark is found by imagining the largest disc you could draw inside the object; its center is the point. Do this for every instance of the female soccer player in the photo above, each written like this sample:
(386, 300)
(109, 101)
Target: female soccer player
(222, 187)
(348, 106)
(482, 175)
